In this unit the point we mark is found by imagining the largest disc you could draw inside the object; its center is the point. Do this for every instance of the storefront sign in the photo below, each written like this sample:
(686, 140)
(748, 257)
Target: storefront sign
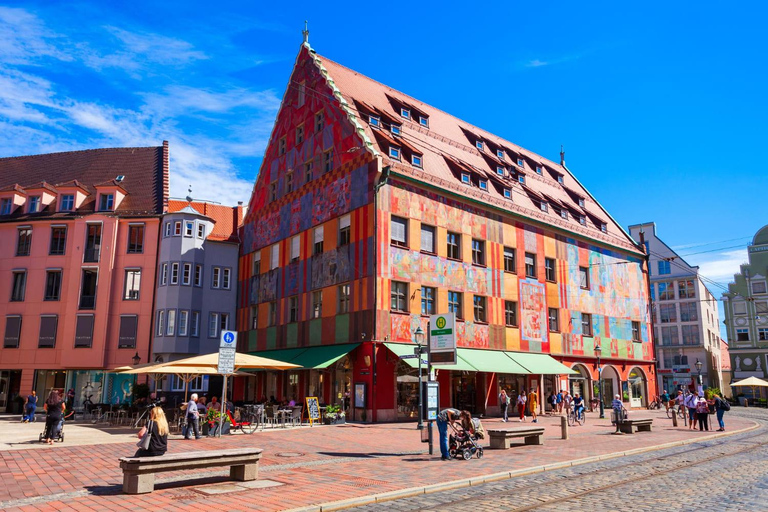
(227, 350)
(360, 394)
(442, 339)
(313, 409)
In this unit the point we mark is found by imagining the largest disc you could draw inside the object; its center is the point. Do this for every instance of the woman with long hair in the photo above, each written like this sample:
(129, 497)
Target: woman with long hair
(157, 426)
(54, 409)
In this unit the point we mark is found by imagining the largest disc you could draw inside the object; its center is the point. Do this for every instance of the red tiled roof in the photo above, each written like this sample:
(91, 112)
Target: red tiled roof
(44, 186)
(448, 139)
(227, 218)
(73, 184)
(144, 170)
(13, 188)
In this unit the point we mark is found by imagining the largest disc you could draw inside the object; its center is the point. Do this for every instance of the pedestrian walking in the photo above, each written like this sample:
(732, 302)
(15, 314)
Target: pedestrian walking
(552, 400)
(504, 404)
(54, 408)
(665, 399)
(690, 403)
(559, 398)
(721, 405)
(193, 418)
(521, 401)
(30, 406)
(533, 403)
(157, 427)
(702, 413)
(445, 417)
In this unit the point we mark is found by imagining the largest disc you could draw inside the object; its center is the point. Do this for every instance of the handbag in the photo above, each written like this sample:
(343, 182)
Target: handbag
(144, 441)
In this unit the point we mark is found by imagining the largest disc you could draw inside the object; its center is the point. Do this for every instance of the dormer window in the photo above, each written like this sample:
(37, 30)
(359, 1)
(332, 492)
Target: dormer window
(479, 145)
(67, 202)
(483, 184)
(500, 154)
(405, 113)
(507, 193)
(582, 220)
(395, 129)
(564, 214)
(374, 121)
(394, 152)
(519, 162)
(521, 179)
(424, 121)
(560, 179)
(581, 202)
(34, 204)
(106, 202)
(603, 227)
(5, 206)
(416, 160)
(500, 170)
(465, 178)
(543, 206)
(538, 169)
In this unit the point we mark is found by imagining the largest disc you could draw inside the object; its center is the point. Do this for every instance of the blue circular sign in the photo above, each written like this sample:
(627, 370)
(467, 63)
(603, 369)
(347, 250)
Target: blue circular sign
(229, 337)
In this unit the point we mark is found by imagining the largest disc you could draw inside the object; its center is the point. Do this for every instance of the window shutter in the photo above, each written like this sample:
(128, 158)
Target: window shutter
(427, 239)
(12, 331)
(127, 331)
(84, 331)
(295, 247)
(319, 234)
(47, 337)
(398, 230)
(344, 222)
(275, 256)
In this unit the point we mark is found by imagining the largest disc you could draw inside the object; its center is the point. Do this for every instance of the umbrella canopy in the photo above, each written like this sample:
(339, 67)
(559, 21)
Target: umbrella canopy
(242, 361)
(751, 382)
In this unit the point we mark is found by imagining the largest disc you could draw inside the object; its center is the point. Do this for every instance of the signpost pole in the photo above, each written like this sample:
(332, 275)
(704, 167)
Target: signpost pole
(223, 405)
(429, 377)
(226, 367)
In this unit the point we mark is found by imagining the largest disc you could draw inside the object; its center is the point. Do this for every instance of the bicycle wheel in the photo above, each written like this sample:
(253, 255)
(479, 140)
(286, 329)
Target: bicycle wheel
(583, 418)
(571, 418)
(253, 424)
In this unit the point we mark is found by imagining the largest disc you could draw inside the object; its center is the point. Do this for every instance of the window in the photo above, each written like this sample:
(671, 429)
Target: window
(164, 274)
(483, 184)
(739, 308)
(319, 122)
(427, 239)
(544, 207)
(168, 228)
(24, 241)
(289, 183)
(189, 228)
(652, 290)
(507, 193)
(479, 145)
(689, 312)
(318, 237)
(213, 325)
(295, 248)
(584, 278)
(307, 172)
(201, 230)
(549, 270)
(299, 134)
(455, 304)
(500, 154)
(160, 322)
(135, 239)
(293, 309)
(223, 322)
(399, 296)
(171, 326)
(344, 295)
(510, 260)
(67, 203)
(281, 146)
(564, 214)
(582, 220)
(742, 334)
(404, 112)
(762, 334)
(302, 94)
(12, 331)
(328, 161)
(174, 273)
(686, 289)
(761, 308)
(427, 300)
(272, 319)
(90, 278)
(132, 284)
(198, 275)
(317, 304)
(186, 274)
(58, 240)
(454, 246)
(499, 170)
(92, 243)
(669, 335)
(183, 322)
(758, 287)
(256, 263)
(399, 227)
(416, 160)
(553, 315)
(424, 121)
(538, 169)
(52, 285)
(47, 335)
(275, 257)
(691, 335)
(667, 313)
(5, 207)
(510, 313)
(478, 252)
(34, 204)
(586, 325)
(478, 303)
(521, 179)
(520, 162)
(19, 286)
(107, 202)
(216, 278)
(530, 265)
(374, 121)
(635, 331)
(395, 129)
(344, 230)
(254, 317)
(560, 179)
(225, 275)
(177, 228)
(465, 178)
(273, 191)
(394, 152)
(664, 267)
(667, 291)
(603, 227)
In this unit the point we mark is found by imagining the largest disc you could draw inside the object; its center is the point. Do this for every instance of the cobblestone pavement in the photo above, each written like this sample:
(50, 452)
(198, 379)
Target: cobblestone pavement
(725, 474)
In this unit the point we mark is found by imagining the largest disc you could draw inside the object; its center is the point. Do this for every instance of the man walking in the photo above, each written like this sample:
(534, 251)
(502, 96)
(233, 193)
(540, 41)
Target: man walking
(193, 418)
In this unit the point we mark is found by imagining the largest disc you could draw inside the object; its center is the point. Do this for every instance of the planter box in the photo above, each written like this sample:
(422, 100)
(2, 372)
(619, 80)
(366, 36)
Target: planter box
(334, 421)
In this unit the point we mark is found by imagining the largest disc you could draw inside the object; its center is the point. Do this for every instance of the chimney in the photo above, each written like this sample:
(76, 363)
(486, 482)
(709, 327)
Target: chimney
(562, 156)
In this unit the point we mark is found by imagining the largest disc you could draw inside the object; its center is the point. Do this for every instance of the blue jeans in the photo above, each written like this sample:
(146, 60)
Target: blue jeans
(505, 411)
(720, 413)
(442, 428)
(30, 412)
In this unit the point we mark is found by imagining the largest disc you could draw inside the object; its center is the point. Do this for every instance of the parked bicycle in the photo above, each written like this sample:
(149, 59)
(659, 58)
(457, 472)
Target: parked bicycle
(656, 403)
(676, 409)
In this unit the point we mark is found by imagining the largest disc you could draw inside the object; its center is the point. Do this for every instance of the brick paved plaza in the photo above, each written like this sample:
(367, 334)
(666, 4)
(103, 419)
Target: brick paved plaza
(301, 467)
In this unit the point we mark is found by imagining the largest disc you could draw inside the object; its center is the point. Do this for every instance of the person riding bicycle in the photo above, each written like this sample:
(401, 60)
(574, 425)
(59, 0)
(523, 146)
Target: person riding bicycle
(665, 399)
(578, 405)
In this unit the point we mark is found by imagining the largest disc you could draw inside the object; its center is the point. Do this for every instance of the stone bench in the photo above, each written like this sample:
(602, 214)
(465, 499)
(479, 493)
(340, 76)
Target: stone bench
(139, 472)
(630, 426)
(500, 439)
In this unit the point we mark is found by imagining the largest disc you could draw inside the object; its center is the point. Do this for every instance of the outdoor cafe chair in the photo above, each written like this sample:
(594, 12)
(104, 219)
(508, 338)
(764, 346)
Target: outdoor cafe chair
(296, 416)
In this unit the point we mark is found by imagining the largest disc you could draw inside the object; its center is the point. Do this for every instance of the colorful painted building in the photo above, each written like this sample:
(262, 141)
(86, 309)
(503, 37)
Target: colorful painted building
(78, 253)
(373, 210)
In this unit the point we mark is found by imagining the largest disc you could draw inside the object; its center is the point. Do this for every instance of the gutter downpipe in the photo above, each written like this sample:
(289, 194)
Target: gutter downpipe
(380, 182)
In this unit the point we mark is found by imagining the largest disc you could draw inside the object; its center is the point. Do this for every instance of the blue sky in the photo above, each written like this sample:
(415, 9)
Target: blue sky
(660, 107)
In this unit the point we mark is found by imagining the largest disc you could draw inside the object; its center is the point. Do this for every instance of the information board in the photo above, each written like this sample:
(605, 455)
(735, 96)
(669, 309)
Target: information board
(313, 409)
(227, 351)
(442, 339)
(431, 404)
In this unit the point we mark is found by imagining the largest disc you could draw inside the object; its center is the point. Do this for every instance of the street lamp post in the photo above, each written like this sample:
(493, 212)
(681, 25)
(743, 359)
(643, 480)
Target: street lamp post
(599, 350)
(698, 369)
(418, 336)
(136, 360)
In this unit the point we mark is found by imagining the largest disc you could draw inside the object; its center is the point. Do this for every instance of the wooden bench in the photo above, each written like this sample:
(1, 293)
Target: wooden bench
(630, 426)
(139, 472)
(500, 439)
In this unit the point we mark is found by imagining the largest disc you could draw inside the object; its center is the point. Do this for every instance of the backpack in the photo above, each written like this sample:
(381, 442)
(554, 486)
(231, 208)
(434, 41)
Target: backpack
(724, 405)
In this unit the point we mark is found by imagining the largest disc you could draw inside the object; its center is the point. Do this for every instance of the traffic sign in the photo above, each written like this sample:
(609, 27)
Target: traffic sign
(227, 352)
(442, 339)
(228, 339)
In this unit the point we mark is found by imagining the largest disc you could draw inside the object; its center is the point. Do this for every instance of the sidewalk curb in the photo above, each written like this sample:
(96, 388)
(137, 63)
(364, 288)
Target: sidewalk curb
(504, 475)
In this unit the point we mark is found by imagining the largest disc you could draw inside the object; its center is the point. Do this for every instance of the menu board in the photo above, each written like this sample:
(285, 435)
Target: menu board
(313, 409)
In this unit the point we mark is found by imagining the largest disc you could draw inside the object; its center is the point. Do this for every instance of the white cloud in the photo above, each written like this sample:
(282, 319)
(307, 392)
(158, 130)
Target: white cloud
(536, 63)
(156, 48)
(721, 266)
(24, 38)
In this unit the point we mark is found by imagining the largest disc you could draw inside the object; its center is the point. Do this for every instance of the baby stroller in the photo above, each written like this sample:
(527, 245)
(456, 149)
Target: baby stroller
(59, 435)
(462, 443)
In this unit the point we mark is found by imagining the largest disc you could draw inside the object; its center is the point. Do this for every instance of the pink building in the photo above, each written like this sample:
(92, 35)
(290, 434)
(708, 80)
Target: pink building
(78, 256)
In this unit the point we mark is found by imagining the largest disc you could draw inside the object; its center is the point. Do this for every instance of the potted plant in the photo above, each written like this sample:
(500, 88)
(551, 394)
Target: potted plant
(213, 422)
(334, 415)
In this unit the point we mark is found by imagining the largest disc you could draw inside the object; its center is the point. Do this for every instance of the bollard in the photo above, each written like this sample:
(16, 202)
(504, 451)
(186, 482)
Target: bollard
(564, 427)
(674, 419)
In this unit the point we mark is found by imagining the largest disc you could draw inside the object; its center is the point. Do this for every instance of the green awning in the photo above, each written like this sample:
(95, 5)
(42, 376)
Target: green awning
(287, 354)
(323, 356)
(406, 349)
(491, 361)
(540, 364)
(461, 365)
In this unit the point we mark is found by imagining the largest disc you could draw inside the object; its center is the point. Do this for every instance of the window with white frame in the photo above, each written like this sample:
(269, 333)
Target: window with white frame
(183, 322)
(295, 248)
(216, 277)
(186, 274)
(500, 154)
(686, 289)
(670, 335)
(465, 178)
(168, 228)
(758, 287)
(479, 145)
(666, 291)
(664, 267)
(194, 324)
(483, 184)
(164, 274)
(171, 327)
(543, 206)
(742, 334)
(374, 121)
(345, 235)
(519, 162)
(318, 240)
(428, 297)
(499, 170)
(225, 277)
(256, 263)
(177, 228)
(689, 312)
(189, 228)
(6, 205)
(223, 322)
(174, 273)
(399, 231)
(213, 325)
(691, 335)
(275, 257)
(538, 169)
(739, 308)
(406, 113)
(107, 202)
(508, 193)
(761, 307)
(394, 152)
(395, 129)
(668, 313)
(198, 275)
(68, 203)
(132, 284)
(424, 121)
(416, 160)
(521, 179)
(762, 334)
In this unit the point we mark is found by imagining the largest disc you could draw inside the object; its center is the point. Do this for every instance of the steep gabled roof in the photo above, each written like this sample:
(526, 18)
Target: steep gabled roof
(448, 143)
(226, 218)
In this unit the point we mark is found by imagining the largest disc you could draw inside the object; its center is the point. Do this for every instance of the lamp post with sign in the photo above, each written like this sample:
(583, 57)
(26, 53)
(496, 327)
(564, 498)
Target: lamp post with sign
(226, 367)
(599, 350)
(418, 337)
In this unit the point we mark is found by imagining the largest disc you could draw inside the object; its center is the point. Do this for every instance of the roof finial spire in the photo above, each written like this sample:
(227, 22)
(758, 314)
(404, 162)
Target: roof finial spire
(562, 156)
(189, 194)
(305, 33)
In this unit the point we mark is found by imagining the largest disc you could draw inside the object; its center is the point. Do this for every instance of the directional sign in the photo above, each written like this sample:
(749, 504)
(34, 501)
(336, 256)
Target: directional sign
(227, 351)
(442, 339)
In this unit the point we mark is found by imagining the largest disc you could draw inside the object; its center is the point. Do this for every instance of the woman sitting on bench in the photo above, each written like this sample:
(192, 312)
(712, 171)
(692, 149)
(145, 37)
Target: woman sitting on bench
(158, 440)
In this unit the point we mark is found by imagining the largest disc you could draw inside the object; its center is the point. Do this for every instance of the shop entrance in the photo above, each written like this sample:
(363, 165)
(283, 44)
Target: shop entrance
(407, 392)
(514, 384)
(10, 384)
(46, 380)
(463, 389)
(637, 396)
(611, 383)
